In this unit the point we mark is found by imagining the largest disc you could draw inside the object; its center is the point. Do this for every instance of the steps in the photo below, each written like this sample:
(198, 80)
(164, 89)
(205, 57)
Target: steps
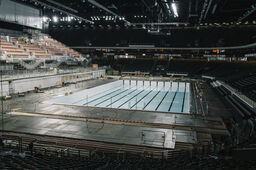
(31, 66)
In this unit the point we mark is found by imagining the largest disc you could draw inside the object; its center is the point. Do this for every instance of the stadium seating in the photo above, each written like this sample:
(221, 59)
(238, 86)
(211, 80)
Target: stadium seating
(11, 50)
(53, 50)
(246, 84)
(185, 163)
(243, 116)
(185, 66)
(62, 47)
(27, 53)
(160, 67)
(34, 49)
(21, 47)
(136, 65)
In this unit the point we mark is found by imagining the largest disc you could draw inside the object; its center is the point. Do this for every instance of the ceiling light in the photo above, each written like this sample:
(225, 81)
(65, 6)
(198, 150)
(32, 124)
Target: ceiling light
(55, 19)
(174, 9)
(45, 19)
(68, 18)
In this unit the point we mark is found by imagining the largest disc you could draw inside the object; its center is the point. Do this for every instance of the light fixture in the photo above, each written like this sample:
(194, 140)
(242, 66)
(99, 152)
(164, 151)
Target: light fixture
(68, 18)
(55, 19)
(174, 9)
(45, 19)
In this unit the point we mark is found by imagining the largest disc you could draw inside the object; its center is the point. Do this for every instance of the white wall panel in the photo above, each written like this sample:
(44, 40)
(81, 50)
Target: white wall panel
(5, 88)
(19, 13)
(24, 85)
(29, 84)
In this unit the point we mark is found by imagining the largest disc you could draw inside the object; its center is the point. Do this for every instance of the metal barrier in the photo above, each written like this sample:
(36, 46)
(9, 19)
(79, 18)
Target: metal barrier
(21, 74)
(234, 91)
(238, 94)
(61, 146)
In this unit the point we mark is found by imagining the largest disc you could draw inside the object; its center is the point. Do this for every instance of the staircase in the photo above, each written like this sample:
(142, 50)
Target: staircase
(54, 65)
(177, 154)
(31, 66)
(86, 61)
(67, 60)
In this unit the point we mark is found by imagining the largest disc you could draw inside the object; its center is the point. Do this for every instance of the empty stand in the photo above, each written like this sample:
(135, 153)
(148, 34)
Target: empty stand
(245, 84)
(34, 49)
(11, 50)
(136, 65)
(52, 49)
(40, 161)
(243, 115)
(62, 47)
(26, 53)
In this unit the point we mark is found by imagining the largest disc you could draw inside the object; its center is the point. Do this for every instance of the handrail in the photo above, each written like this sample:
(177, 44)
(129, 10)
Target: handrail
(34, 73)
(31, 66)
(168, 48)
(45, 141)
(238, 94)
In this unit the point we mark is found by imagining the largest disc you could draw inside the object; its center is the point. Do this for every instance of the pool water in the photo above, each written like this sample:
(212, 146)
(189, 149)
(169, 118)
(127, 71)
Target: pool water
(137, 95)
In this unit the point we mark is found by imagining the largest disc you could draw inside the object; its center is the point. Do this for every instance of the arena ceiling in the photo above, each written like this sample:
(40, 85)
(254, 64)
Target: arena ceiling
(150, 12)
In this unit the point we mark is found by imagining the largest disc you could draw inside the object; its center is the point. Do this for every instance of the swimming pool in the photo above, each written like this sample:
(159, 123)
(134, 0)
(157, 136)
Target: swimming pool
(131, 94)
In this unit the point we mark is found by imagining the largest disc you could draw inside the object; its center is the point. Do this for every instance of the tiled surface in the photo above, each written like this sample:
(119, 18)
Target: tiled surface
(135, 95)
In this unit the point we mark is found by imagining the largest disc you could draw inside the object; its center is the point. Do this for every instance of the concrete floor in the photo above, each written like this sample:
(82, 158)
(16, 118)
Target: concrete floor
(215, 104)
(146, 128)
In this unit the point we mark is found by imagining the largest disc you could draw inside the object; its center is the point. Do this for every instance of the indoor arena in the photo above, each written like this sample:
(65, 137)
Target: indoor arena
(139, 84)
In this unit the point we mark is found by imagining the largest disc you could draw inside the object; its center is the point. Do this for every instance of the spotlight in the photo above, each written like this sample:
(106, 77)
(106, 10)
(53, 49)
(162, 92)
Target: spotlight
(55, 19)
(45, 19)
(69, 18)
(174, 9)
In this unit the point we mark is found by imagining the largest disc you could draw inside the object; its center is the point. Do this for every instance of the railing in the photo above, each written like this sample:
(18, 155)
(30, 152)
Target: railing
(31, 66)
(234, 91)
(6, 67)
(238, 94)
(21, 74)
(61, 146)
(208, 77)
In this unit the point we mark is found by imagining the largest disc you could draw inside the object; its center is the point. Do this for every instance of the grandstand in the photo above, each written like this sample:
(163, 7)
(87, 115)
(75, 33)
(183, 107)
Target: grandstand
(20, 49)
(127, 84)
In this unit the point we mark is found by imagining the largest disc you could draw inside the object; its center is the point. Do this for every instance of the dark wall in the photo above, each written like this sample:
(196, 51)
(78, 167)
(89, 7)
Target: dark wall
(213, 37)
